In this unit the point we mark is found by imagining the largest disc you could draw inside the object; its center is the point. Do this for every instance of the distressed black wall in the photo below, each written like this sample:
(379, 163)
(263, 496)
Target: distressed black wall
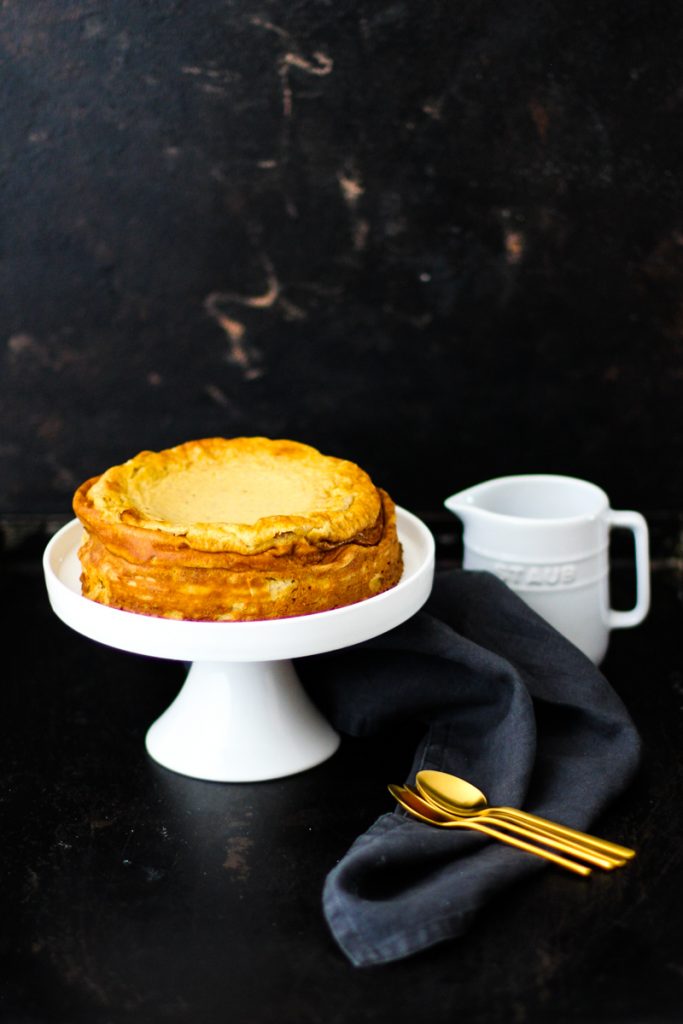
(442, 239)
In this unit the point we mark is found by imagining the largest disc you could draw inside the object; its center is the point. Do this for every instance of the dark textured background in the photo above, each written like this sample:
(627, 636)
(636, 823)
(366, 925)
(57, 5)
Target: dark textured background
(443, 239)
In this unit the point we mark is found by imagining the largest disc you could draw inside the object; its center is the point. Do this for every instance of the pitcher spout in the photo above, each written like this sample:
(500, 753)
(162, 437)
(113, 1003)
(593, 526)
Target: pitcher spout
(462, 505)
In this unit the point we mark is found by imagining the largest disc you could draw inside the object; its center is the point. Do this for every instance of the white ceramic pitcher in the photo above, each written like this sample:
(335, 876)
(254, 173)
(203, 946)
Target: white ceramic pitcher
(547, 537)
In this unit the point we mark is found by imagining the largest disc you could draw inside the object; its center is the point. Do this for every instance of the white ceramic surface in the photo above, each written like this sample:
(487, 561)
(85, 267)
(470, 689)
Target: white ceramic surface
(242, 714)
(547, 537)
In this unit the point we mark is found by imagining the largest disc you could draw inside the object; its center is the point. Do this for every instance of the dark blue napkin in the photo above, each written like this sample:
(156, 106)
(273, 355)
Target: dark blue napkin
(507, 703)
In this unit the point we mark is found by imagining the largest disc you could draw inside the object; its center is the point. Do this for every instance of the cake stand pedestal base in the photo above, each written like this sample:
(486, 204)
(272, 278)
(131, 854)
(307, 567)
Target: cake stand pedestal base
(241, 722)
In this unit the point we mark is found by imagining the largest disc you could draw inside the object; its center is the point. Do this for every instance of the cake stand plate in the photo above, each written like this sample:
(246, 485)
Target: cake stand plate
(242, 714)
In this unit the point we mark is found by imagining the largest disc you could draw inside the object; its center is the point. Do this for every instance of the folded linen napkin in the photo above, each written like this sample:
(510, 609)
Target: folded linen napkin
(507, 703)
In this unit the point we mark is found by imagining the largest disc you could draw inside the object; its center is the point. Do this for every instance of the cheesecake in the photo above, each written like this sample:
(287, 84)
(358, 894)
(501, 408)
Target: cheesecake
(235, 529)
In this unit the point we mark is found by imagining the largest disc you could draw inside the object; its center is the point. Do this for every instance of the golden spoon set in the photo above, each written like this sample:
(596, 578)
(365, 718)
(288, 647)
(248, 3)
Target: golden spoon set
(446, 801)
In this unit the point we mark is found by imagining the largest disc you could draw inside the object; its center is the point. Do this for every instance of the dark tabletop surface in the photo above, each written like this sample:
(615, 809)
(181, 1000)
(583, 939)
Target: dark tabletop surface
(131, 893)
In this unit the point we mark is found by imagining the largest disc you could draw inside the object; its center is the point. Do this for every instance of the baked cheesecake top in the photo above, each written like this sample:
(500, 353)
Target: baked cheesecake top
(244, 494)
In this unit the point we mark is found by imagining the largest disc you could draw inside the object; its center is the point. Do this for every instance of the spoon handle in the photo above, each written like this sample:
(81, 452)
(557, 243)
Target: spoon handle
(570, 865)
(503, 837)
(552, 828)
(573, 849)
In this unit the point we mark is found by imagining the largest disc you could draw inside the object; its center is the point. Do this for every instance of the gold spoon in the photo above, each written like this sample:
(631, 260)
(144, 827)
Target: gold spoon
(419, 808)
(568, 846)
(456, 796)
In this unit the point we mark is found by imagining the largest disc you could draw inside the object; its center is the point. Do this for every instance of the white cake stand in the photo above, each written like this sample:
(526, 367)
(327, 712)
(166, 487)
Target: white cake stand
(242, 714)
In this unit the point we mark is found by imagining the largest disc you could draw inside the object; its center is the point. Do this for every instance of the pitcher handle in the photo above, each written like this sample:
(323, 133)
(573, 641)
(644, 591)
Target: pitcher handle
(636, 523)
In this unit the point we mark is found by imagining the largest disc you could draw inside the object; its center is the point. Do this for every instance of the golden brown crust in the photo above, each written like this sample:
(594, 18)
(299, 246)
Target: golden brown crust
(273, 567)
(244, 494)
